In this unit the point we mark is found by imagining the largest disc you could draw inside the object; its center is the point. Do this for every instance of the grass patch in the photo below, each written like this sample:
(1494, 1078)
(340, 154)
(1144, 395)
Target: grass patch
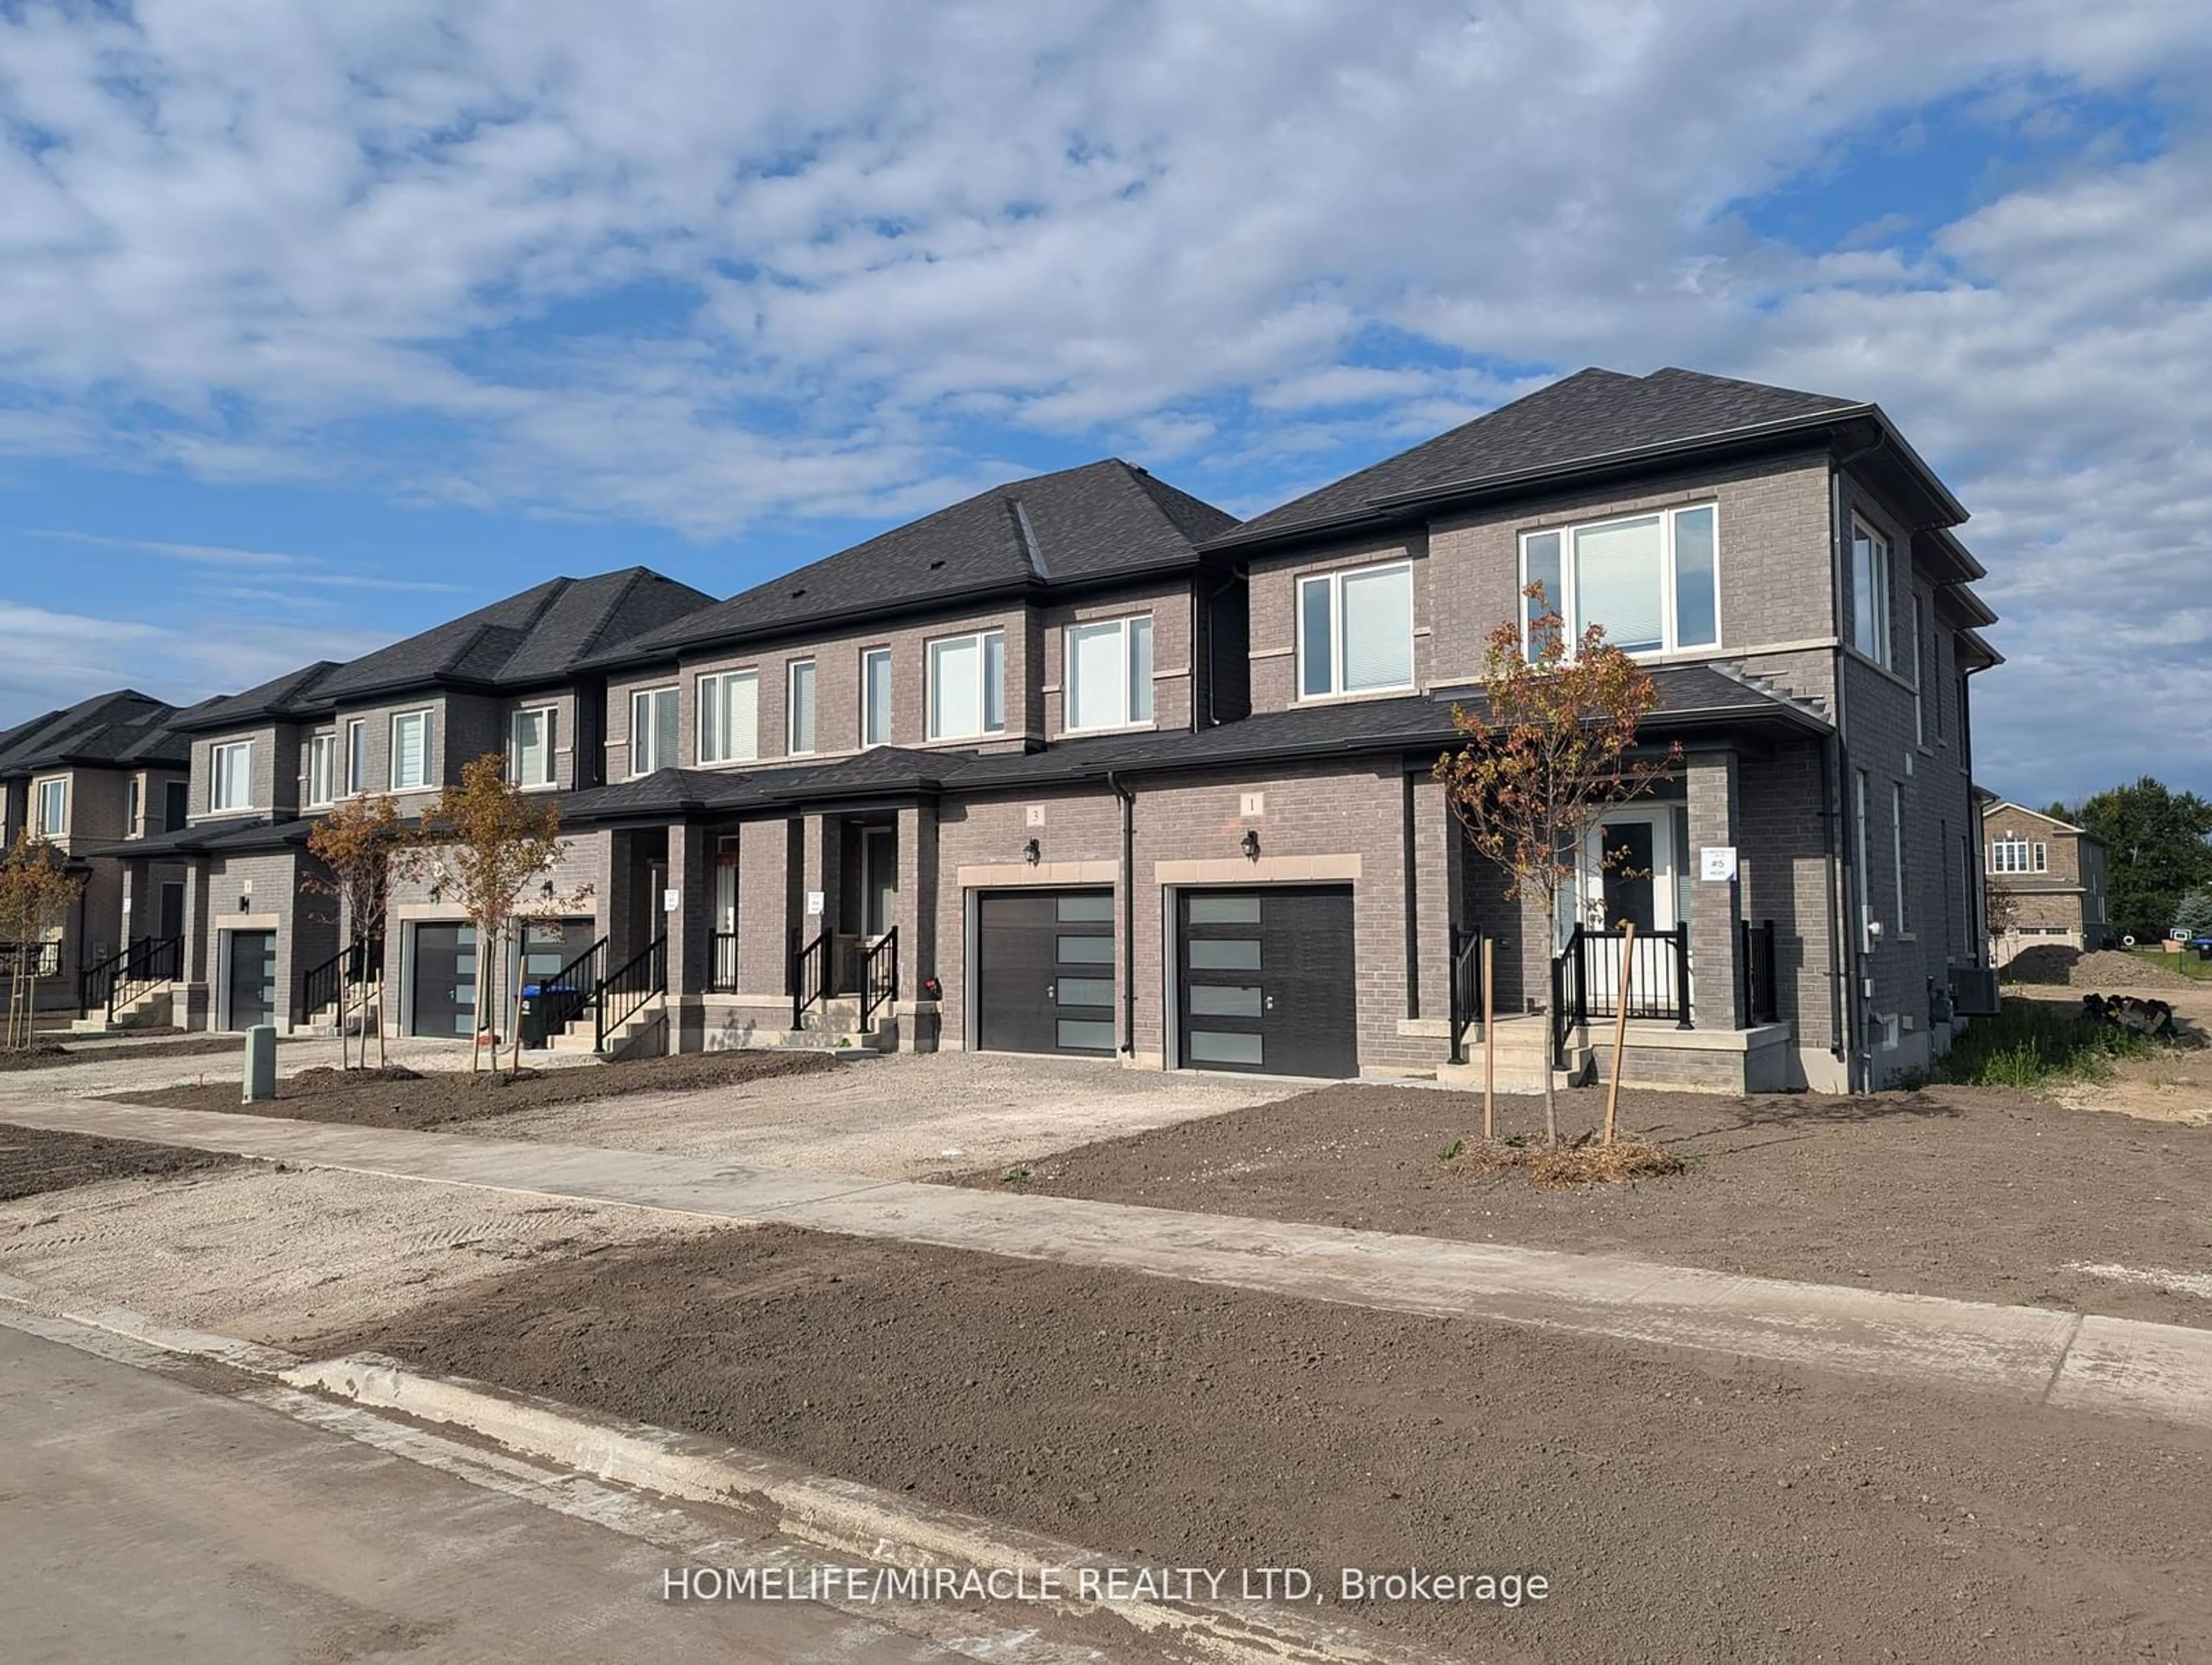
(2185, 963)
(2032, 1048)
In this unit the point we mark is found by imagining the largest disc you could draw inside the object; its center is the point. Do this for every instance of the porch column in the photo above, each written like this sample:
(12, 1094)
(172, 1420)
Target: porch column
(1435, 894)
(1715, 943)
(199, 946)
(764, 892)
(914, 911)
(822, 868)
(691, 876)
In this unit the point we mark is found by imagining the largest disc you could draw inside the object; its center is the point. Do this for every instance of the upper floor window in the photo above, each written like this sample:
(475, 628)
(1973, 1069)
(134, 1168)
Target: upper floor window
(801, 712)
(356, 770)
(410, 751)
(968, 686)
(2018, 855)
(53, 808)
(876, 697)
(530, 747)
(1871, 564)
(322, 760)
(1109, 673)
(1652, 580)
(652, 730)
(177, 805)
(134, 795)
(1356, 631)
(230, 777)
(729, 717)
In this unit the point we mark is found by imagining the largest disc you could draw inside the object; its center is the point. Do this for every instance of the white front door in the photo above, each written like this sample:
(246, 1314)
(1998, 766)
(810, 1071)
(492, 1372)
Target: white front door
(1628, 877)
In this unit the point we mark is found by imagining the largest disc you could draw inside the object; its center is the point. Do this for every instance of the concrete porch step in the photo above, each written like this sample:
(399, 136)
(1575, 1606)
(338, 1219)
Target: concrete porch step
(325, 1022)
(152, 1010)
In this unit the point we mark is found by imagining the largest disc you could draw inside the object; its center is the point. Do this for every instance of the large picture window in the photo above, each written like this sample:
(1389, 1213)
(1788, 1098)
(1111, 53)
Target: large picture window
(652, 730)
(1870, 571)
(729, 717)
(1356, 631)
(530, 747)
(968, 686)
(1109, 673)
(230, 777)
(1652, 580)
(410, 751)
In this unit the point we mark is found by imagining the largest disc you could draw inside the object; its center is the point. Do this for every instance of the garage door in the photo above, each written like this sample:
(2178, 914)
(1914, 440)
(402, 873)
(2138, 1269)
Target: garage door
(1265, 979)
(253, 990)
(1044, 971)
(444, 980)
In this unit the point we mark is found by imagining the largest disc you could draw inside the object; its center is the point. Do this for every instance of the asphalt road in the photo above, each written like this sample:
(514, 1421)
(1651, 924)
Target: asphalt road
(144, 1517)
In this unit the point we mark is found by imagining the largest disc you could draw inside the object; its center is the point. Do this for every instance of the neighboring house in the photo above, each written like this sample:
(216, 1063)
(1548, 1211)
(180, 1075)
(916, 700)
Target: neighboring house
(1081, 765)
(110, 770)
(2053, 877)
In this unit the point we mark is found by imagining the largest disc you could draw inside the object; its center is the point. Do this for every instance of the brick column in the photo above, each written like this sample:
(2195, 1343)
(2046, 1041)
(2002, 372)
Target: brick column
(822, 868)
(1435, 893)
(690, 927)
(915, 913)
(1716, 946)
(763, 907)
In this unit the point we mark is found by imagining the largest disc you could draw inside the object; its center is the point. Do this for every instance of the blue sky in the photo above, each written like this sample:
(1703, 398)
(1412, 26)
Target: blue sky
(318, 327)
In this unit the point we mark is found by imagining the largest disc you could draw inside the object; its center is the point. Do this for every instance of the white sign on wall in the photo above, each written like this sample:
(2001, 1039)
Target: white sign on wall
(814, 904)
(669, 899)
(1717, 862)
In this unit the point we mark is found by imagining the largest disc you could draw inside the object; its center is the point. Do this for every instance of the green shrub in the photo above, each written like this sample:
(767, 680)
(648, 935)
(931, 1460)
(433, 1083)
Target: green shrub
(2033, 1046)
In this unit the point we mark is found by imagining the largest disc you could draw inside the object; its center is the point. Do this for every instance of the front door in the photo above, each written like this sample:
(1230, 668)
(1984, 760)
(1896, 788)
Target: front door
(444, 1002)
(252, 988)
(879, 879)
(172, 911)
(1044, 971)
(1628, 878)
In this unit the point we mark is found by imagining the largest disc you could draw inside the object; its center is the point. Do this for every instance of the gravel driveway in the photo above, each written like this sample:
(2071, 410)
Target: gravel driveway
(911, 1116)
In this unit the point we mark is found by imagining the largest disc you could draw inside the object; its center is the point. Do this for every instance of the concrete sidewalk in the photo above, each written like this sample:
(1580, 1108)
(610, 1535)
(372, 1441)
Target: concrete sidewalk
(2059, 1359)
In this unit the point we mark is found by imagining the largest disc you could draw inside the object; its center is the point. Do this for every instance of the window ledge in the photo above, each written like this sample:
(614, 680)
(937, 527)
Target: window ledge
(1151, 727)
(1398, 693)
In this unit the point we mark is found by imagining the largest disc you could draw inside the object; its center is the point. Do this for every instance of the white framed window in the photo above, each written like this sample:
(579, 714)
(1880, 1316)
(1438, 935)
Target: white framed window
(1652, 580)
(1897, 859)
(729, 717)
(968, 686)
(322, 758)
(876, 697)
(800, 727)
(2019, 855)
(653, 726)
(529, 746)
(1870, 574)
(230, 775)
(53, 808)
(356, 767)
(1356, 631)
(1107, 680)
(410, 751)
(134, 798)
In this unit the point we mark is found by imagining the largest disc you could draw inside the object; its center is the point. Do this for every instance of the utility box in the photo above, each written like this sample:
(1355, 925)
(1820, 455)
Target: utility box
(260, 1085)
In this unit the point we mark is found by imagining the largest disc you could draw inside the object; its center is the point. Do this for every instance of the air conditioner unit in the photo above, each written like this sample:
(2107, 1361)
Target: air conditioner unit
(1974, 991)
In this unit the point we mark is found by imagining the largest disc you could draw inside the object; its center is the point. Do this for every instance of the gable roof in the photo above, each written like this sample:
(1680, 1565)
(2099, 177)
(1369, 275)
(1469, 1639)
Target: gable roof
(120, 729)
(1593, 417)
(1998, 805)
(1104, 519)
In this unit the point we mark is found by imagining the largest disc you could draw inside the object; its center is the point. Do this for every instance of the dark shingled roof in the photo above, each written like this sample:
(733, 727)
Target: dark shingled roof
(124, 729)
(1591, 415)
(292, 694)
(1101, 520)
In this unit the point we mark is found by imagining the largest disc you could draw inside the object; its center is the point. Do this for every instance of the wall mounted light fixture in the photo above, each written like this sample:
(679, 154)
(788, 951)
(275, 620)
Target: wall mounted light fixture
(1252, 843)
(1032, 852)
(546, 890)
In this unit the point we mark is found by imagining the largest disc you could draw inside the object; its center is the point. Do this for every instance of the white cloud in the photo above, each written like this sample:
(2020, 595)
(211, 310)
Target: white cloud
(699, 264)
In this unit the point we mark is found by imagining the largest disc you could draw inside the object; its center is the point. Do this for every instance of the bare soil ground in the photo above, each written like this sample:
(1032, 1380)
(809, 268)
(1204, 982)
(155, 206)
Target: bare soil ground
(57, 1054)
(1960, 1191)
(2110, 968)
(34, 1161)
(1682, 1511)
(400, 1097)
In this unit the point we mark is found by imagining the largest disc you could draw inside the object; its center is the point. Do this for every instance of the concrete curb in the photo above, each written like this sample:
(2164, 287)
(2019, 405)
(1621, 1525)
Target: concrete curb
(841, 1515)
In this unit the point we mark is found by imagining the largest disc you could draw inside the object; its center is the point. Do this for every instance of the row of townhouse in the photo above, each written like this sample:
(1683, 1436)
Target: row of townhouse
(1083, 765)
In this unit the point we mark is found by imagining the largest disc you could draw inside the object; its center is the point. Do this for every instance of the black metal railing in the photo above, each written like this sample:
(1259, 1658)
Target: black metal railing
(136, 969)
(1466, 987)
(560, 999)
(1597, 967)
(810, 977)
(1762, 1002)
(44, 959)
(630, 989)
(722, 966)
(879, 976)
(356, 965)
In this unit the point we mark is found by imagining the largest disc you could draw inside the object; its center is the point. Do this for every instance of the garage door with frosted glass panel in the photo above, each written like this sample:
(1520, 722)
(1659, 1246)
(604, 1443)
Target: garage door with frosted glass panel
(1265, 980)
(444, 980)
(1044, 971)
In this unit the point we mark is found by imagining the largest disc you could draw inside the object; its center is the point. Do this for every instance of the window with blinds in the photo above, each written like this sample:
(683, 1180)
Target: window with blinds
(801, 736)
(1109, 673)
(530, 747)
(729, 717)
(410, 750)
(652, 730)
(876, 697)
(1651, 581)
(968, 686)
(1356, 631)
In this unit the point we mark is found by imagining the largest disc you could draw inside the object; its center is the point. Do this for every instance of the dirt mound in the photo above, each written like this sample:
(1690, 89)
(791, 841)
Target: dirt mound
(2046, 963)
(2110, 968)
(324, 1075)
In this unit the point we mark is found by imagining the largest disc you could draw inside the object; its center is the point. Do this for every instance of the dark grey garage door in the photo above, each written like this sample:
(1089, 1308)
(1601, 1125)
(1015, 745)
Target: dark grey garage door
(1265, 979)
(1044, 971)
(445, 991)
(253, 989)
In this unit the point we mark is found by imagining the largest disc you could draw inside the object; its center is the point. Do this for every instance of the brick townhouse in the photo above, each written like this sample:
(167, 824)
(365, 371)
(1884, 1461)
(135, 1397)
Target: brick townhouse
(1082, 765)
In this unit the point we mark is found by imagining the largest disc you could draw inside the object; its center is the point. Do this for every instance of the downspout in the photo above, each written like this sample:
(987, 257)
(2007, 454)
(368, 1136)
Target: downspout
(1129, 911)
(1846, 1012)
